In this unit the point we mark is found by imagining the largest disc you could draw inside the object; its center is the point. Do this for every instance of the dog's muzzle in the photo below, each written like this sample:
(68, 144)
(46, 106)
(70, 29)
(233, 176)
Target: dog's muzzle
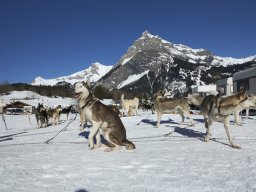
(77, 95)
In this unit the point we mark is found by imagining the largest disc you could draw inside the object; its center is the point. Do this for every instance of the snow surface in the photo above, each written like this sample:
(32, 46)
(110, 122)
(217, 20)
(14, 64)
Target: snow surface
(126, 60)
(94, 73)
(33, 99)
(180, 161)
(131, 79)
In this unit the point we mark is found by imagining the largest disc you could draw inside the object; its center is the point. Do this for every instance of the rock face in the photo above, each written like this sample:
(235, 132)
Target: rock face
(152, 63)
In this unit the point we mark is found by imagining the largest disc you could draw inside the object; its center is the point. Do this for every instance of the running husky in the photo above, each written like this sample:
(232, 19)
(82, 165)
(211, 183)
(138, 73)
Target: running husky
(215, 108)
(167, 105)
(197, 99)
(101, 117)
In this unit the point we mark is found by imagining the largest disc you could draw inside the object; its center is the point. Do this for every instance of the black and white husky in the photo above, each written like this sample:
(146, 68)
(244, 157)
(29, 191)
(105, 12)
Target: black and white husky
(101, 117)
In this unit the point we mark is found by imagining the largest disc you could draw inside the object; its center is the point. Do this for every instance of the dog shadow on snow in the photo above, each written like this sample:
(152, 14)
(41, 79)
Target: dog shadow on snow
(153, 122)
(162, 122)
(195, 134)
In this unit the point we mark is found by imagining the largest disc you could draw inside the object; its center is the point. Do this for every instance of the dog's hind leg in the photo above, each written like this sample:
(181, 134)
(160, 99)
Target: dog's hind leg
(208, 123)
(98, 140)
(226, 122)
(113, 141)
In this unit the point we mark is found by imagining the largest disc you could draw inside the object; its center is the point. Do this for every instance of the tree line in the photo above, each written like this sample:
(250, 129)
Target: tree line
(66, 90)
(50, 91)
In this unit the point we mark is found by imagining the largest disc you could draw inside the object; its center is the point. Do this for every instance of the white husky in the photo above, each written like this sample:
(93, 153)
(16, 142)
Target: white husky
(130, 105)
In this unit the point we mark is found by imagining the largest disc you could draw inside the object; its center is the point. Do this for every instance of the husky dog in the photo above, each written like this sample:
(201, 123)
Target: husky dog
(127, 103)
(67, 110)
(215, 108)
(195, 99)
(101, 117)
(54, 113)
(166, 105)
(41, 116)
(236, 114)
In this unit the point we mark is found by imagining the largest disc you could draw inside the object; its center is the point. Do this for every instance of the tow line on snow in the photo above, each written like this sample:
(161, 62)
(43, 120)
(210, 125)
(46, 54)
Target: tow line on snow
(64, 128)
(136, 140)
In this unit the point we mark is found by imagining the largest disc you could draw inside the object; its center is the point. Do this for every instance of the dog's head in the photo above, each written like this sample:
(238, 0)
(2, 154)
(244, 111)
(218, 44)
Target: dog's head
(82, 89)
(241, 95)
(159, 94)
(249, 103)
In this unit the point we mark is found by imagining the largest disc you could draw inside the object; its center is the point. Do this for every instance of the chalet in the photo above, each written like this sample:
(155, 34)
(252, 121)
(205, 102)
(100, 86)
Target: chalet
(204, 89)
(245, 79)
(17, 107)
(225, 86)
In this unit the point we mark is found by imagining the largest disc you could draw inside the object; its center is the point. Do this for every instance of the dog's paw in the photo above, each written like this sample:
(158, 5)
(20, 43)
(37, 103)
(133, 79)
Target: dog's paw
(108, 149)
(235, 146)
(91, 147)
(206, 139)
(98, 145)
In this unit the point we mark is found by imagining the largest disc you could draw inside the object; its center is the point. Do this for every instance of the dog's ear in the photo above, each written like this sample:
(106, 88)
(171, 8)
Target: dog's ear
(87, 83)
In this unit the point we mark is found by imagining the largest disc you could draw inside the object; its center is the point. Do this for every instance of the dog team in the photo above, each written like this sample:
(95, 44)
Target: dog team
(107, 121)
(43, 114)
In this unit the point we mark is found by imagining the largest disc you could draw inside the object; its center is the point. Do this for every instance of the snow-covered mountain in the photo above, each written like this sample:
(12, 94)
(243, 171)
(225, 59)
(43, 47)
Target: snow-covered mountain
(94, 73)
(152, 63)
(201, 56)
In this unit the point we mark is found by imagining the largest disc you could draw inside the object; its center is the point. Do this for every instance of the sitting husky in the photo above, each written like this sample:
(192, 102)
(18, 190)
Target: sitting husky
(215, 108)
(101, 117)
(166, 105)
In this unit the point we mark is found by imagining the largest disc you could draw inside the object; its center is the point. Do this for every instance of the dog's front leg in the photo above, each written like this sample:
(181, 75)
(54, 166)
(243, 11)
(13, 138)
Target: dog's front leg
(93, 131)
(158, 119)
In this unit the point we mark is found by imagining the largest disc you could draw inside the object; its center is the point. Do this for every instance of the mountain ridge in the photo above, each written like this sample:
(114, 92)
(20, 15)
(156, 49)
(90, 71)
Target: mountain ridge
(159, 64)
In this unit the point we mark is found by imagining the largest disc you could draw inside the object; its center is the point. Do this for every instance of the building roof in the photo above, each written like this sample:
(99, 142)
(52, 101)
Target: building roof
(16, 104)
(244, 74)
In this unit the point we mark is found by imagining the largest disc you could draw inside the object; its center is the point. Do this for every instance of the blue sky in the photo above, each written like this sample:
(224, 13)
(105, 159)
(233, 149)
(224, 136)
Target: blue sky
(52, 38)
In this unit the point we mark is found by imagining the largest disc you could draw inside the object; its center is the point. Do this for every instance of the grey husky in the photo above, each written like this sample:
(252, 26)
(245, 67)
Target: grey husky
(215, 108)
(167, 105)
(101, 117)
(196, 99)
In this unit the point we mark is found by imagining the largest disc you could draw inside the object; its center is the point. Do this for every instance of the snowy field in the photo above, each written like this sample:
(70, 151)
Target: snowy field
(178, 161)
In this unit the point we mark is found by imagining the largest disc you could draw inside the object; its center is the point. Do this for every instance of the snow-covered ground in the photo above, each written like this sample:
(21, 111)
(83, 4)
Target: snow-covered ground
(180, 161)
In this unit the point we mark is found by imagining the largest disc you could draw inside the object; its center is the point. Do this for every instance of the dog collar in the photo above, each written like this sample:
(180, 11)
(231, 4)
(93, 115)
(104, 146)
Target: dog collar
(87, 103)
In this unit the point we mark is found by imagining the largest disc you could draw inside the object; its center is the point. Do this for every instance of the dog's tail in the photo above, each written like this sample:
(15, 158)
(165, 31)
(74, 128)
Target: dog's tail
(129, 145)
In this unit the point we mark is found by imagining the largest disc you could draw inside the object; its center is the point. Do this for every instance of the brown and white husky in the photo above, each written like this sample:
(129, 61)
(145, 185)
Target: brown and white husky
(101, 117)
